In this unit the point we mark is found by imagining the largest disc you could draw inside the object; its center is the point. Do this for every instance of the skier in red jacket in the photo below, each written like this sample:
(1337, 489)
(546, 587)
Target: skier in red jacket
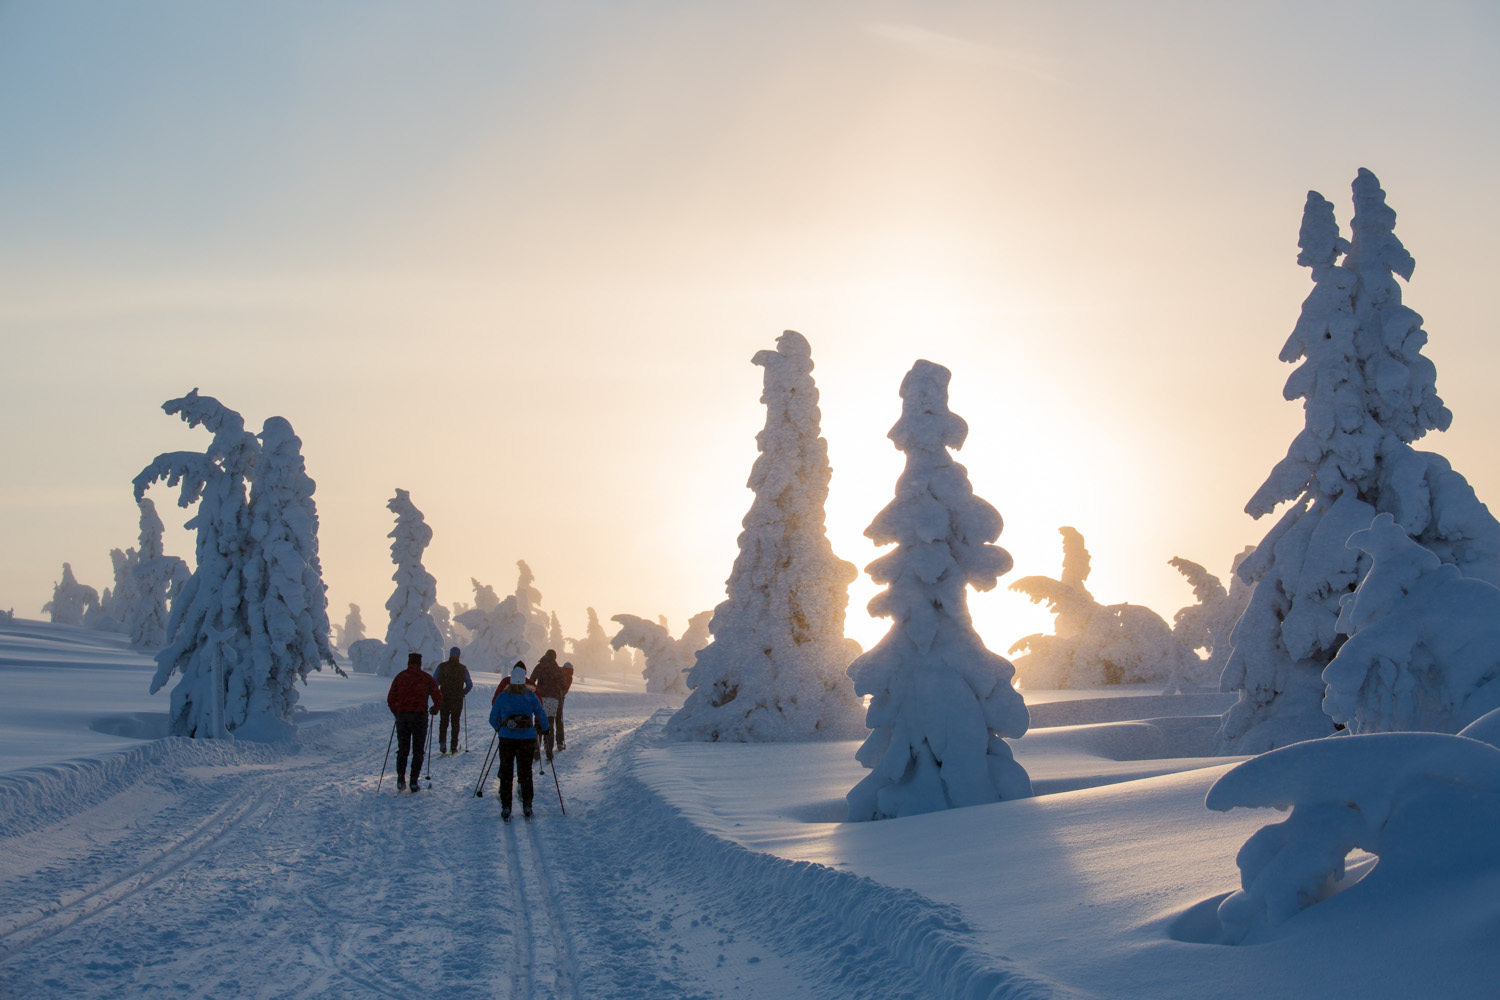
(407, 700)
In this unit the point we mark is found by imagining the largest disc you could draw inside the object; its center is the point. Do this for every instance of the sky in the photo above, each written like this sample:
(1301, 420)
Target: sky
(516, 258)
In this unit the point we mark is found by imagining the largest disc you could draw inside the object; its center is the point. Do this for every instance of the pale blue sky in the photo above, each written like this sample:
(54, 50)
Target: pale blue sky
(516, 258)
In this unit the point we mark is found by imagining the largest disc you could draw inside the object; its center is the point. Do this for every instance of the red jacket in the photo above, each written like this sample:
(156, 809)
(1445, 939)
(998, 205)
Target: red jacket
(505, 683)
(410, 690)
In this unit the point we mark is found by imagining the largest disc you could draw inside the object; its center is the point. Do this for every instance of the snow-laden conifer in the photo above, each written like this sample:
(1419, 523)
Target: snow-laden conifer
(1206, 625)
(667, 660)
(209, 629)
(940, 702)
(354, 626)
(114, 604)
(284, 588)
(411, 628)
(1424, 641)
(1367, 392)
(1092, 645)
(71, 600)
(156, 575)
(592, 656)
(537, 622)
(774, 669)
(497, 630)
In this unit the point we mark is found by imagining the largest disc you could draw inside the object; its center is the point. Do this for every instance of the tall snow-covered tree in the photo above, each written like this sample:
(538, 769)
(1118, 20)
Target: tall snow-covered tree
(1092, 645)
(156, 576)
(592, 656)
(1368, 393)
(667, 659)
(114, 604)
(555, 638)
(940, 702)
(537, 622)
(774, 669)
(354, 626)
(411, 628)
(284, 588)
(71, 600)
(1424, 641)
(209, 629)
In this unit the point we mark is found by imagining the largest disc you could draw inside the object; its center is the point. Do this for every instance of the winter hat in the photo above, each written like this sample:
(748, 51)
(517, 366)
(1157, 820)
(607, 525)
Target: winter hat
(453, 651)
(413, 659)
(518, 674)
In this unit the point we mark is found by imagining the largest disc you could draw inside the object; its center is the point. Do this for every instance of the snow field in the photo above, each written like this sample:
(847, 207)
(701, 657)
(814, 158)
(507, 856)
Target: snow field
(207, 869)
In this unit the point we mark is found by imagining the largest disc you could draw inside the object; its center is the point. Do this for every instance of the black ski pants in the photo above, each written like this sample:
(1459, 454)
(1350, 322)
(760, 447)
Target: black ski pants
(451, 712)
(515, 759)
(411, 735)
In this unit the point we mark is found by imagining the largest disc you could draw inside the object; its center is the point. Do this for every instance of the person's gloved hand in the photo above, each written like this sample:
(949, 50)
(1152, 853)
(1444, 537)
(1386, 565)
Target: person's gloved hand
(433, 710)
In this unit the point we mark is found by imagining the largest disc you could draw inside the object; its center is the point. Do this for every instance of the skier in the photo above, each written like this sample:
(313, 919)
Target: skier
(516, 715)
(562, 742)
(407, 700)
(453, 680)
(550, 683)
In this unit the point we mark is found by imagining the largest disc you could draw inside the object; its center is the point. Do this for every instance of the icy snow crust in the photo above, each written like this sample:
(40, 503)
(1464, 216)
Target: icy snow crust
(232, 869)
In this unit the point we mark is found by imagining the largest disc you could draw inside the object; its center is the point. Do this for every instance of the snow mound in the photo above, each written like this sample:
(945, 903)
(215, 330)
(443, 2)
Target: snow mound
(1425, 804)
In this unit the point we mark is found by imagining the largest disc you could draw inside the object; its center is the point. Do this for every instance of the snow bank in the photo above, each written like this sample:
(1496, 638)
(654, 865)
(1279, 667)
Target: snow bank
(1425, 804)
(877, 937)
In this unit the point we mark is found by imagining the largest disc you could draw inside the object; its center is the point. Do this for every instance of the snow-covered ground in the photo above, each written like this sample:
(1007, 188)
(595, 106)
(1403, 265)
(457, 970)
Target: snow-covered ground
(132, 865)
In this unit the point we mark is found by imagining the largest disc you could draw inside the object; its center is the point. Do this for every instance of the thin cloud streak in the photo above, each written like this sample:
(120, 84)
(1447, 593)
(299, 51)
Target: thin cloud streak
(951, 48)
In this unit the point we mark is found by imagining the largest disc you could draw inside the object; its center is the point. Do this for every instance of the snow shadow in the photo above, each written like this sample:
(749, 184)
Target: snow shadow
(132, 725)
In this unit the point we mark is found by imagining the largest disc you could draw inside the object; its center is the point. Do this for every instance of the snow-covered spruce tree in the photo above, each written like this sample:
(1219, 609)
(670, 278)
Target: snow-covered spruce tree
(114, 604)
(667, 659)
(775, 667)
(1367, 392)
(411, 629)
(940, 702)
(1205, 625)
(156, 573)
(284, 588)
(555, 638)
(71, 600)
(497, 630)
(209, 629)
(354, 626)
(592, 656)
(1424, 641)
(1093, 645)
(538, 622)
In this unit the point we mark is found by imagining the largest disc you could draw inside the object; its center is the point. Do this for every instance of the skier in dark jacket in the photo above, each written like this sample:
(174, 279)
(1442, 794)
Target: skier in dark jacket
(407, 700)
(551, 683)
(453, 680)
(562, 740)
(516, 715)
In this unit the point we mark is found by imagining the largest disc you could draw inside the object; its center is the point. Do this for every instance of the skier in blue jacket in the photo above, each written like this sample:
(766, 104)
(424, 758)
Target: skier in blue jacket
(517, 715)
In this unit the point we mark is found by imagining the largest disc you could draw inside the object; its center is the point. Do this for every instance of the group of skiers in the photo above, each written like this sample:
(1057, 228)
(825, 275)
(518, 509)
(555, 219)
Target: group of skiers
(525, 712)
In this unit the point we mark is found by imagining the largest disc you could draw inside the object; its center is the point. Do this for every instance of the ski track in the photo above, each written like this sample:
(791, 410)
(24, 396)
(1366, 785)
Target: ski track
(241, 871)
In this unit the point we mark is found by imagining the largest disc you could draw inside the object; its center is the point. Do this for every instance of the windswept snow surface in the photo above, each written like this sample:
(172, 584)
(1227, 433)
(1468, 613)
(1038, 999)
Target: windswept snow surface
(135, 866)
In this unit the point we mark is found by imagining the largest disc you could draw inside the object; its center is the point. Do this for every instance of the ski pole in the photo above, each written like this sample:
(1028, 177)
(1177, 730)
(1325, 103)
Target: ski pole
(428, 762)
(485, 771)
(466, 724)
(387, 757)
(559, 790)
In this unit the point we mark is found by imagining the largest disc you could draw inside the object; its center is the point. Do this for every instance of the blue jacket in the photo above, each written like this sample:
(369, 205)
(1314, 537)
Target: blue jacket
(523, 702)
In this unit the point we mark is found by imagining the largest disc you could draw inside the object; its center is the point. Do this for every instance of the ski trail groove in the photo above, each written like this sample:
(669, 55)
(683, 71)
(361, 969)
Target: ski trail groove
(112, 891)
(523, 980)
(565, 962)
